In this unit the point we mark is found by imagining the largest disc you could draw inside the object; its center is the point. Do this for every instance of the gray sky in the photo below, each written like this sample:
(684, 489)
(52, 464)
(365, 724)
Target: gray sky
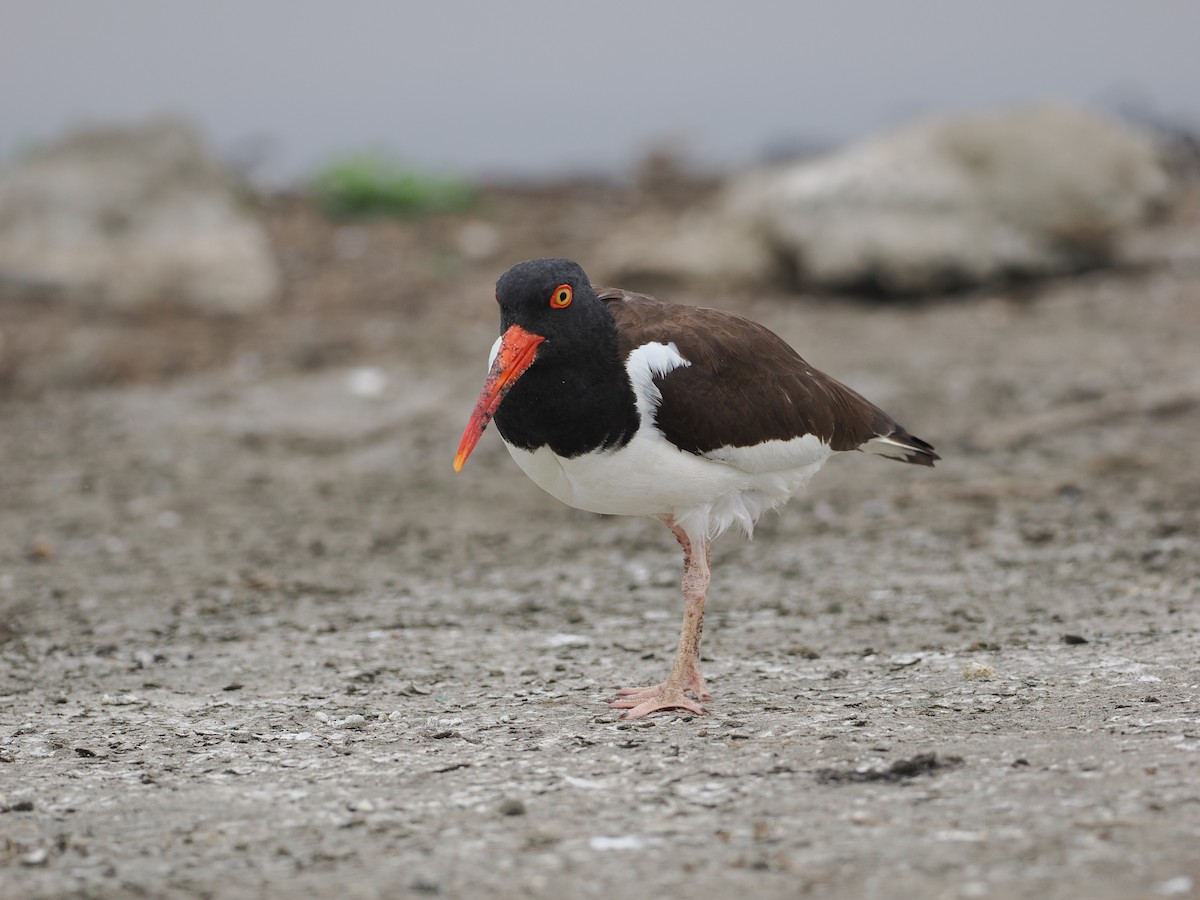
(542, 87)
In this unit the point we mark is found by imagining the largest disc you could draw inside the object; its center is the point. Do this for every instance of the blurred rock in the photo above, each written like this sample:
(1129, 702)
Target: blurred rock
(132, 217)
(704, 245)
(478, 241)
(942, 204)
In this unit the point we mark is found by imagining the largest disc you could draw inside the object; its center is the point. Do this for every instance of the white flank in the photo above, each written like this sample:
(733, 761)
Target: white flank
(650, 476)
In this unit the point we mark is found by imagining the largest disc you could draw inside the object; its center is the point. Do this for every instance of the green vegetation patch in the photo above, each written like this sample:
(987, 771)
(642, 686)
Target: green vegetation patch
(375, 184)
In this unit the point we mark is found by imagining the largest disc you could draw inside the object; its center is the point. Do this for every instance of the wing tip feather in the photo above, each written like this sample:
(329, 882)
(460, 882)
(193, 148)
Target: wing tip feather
(904, 447)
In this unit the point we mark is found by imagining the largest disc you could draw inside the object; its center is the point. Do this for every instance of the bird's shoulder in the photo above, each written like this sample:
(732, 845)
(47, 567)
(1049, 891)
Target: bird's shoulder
(709, 338)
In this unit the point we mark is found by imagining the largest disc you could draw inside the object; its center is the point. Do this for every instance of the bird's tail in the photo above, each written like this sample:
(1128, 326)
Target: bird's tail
(902, 446)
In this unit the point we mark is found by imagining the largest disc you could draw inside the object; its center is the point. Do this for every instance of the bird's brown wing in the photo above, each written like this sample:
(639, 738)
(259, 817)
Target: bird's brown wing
(745, 385)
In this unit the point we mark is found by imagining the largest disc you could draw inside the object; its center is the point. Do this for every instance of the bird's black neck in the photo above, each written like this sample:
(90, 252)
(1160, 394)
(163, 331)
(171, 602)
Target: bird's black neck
(572, 400)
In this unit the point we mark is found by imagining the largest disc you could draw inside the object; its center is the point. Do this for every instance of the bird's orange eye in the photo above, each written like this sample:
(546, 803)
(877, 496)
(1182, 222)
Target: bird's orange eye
(561, 298)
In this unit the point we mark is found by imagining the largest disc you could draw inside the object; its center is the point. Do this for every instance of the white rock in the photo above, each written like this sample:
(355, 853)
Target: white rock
(1175, 887)
(131, 217)
(367, 381)
(479, 241)
(622, 842)
(942, 203)
(977, 671)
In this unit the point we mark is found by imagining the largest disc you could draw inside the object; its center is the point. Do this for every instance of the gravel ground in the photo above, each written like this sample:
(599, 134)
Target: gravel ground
(257, 639)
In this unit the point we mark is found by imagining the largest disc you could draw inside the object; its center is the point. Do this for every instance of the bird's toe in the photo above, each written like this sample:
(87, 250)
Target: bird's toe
(642, 701)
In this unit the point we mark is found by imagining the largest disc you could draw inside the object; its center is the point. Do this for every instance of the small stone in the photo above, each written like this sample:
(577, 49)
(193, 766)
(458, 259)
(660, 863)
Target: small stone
(36, 857)
(976, 671)
(41, 551)
(512, 807)
(366, 381)
(803, 651)
(979, 646)
(478, 241)
(1073, 639)
(1175, 887)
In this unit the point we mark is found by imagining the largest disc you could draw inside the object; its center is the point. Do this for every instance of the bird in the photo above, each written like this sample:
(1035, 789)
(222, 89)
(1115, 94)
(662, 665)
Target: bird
(620, 403)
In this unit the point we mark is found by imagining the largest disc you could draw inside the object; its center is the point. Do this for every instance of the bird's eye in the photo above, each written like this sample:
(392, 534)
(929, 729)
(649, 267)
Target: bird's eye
(561, 298)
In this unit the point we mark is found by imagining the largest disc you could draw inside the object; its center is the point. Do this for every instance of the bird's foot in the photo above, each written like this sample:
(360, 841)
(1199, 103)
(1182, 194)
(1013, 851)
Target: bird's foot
(641, 701)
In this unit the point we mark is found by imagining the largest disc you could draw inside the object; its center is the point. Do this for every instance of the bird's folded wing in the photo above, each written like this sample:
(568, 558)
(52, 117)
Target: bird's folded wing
(743, 384)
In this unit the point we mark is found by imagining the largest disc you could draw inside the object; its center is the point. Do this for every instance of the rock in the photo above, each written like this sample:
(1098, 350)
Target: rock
(479, 241)
(941, 204)
(977, 671)
(704, 245)
(512, 807)
(131, 217)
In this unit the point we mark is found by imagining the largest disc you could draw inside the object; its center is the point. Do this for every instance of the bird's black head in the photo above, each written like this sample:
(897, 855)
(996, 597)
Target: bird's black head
(553, 299)
(555, 328)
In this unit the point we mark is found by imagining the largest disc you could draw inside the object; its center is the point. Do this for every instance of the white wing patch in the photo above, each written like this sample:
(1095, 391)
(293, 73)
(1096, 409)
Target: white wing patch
(646, 363)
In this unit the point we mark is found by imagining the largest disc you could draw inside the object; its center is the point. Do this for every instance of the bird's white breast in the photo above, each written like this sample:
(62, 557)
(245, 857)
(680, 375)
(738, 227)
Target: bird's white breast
(650, 476)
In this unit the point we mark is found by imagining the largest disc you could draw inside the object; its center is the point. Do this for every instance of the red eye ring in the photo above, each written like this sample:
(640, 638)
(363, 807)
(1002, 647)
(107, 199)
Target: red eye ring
(560, 297)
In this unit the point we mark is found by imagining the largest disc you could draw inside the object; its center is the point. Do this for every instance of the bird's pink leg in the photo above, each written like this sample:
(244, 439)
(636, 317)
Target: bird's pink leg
(685, 674)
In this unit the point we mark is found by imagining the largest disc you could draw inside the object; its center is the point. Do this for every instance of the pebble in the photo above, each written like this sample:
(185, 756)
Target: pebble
(41, 551)
(975, 671)
(367, 382)
(478, 241)
(512, 807)
(1175, 887)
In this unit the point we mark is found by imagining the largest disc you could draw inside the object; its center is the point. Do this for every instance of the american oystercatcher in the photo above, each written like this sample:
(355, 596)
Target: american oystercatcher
(619, 403)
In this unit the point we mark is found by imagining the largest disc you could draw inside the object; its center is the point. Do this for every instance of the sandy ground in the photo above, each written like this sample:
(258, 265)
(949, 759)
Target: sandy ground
(257, 639)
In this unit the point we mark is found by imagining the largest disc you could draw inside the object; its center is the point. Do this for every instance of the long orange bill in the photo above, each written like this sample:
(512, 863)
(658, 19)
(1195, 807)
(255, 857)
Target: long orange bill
(518, 349)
